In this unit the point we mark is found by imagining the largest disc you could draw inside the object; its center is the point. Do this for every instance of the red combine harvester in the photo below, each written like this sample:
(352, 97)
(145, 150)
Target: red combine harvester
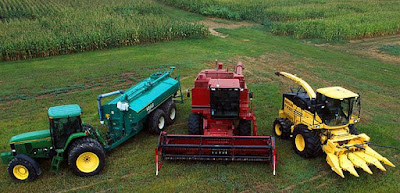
(220, 123)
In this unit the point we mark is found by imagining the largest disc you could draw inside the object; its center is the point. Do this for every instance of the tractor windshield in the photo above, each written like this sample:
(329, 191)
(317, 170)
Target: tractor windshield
(224, 103)
(335, 112)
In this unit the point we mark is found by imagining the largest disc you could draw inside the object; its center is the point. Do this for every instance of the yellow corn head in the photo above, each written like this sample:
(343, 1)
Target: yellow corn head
(323, 121)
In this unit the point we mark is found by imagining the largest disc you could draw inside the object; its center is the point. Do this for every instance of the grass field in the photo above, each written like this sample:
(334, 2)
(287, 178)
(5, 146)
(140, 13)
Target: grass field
(40, 28)
(28, 87)
(330, 20)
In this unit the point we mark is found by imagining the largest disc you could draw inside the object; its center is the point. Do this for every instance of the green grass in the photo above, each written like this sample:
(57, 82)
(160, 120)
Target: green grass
(39, 28)
(390, 49)
(330, 20)
(66, 79)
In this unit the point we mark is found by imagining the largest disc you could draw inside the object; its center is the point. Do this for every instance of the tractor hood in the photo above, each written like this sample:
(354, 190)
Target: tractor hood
(30, 136)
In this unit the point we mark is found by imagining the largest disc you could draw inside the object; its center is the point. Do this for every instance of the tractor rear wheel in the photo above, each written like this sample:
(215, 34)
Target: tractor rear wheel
(21, 170)
(157, 121)
(244, 127)
(306, 142)
(281, 128)
(86, 157)
(195, 124)
(169, 109)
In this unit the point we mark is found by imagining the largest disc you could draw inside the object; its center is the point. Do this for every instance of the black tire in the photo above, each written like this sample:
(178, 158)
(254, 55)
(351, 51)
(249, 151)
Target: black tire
(195, 124)
(312, 143)
(21, 166)
(156, 122)
(353, 129)
(170, 111)
(244, 127)
(85, 149)
(281, 128)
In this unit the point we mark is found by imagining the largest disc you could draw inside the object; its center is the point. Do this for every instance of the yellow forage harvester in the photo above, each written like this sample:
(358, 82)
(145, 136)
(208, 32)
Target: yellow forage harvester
(323, 121)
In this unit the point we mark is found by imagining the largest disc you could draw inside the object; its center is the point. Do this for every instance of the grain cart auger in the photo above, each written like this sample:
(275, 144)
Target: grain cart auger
(151, 102)
(324, 121)
(220, 123)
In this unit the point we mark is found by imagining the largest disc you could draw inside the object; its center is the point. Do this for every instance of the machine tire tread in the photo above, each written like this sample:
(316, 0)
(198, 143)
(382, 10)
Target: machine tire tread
(19, 161)
(195, 124)
(285, 127)
(153, 121)
(80, 146)
(312, 142)
(167, 107)
(244, 127)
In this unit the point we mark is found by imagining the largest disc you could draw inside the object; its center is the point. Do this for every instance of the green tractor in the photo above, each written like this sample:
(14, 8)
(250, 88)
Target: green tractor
(149, 104)
(67, 134)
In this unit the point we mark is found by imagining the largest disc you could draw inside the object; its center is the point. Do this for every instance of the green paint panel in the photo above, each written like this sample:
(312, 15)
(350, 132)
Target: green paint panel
(64, 111)
(30, 136)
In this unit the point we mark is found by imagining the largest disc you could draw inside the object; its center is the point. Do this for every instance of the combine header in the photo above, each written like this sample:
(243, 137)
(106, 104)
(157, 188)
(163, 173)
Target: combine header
(323, 121)
(220, 125)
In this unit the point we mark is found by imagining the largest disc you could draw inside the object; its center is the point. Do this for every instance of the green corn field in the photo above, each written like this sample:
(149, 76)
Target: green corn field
(329, 20)
(40, 28)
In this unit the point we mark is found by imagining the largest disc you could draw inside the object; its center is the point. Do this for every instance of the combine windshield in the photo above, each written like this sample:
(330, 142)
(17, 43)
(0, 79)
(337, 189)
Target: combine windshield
(224, 103)
(335, 112)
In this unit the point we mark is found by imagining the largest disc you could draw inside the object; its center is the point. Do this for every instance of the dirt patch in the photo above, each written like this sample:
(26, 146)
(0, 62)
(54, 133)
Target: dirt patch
(214, 23)
(370, 48)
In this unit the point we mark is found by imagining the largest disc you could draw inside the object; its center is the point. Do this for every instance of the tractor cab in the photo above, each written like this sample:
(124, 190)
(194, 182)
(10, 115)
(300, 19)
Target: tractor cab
(335, 105)
(64, 121)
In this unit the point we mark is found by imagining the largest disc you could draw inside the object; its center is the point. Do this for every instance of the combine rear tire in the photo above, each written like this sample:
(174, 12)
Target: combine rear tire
(86, 157)
(195, 124)
(169, 108)
(157, 121)
(244, 127)
(281, 128)
(306, 142)
(21, 170)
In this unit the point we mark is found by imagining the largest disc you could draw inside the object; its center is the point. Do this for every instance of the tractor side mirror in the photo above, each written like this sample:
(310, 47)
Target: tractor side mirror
(251, 95)
(187, 93)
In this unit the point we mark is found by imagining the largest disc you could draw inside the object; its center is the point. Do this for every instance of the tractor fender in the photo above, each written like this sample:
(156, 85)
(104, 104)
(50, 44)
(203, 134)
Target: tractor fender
(34, 163)
(73, 137)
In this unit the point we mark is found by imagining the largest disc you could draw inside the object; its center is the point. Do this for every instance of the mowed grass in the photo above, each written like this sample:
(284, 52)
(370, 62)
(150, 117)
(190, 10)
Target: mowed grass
(40, 28)
(329, 20)
(131, 167)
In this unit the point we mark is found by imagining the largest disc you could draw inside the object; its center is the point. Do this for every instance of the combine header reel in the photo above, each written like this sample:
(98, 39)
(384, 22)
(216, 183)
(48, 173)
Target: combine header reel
(220, 126)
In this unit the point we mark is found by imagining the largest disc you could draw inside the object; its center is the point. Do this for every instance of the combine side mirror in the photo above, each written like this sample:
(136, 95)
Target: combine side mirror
(251, 95)
(188, 93)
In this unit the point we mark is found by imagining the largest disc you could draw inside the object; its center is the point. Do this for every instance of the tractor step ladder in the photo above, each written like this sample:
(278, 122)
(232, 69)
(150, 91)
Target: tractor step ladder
(56, 161)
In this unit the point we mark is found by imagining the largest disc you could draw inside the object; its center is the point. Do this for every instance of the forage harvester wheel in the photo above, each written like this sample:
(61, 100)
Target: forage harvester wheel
(21, 170)
(86, 157)
(281, 128)
(306, 142)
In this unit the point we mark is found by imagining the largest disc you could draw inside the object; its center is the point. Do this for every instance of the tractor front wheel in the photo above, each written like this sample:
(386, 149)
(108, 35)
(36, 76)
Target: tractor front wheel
(86, 157)
(244, 127)
(195, 124)
(306, 142)
(21, 170)
(281, 128)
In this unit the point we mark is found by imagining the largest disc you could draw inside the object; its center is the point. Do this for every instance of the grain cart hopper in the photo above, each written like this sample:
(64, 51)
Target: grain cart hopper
(150, 103)
(323, 121)
(220, 125)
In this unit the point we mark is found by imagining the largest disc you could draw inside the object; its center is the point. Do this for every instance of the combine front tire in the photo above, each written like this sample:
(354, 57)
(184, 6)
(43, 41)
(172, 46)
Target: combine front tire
(157, 121)
(306, 142)
(244, 127)
(195, 124)
(86, 157)
(21, 170)
(169, 108)
(281, 128)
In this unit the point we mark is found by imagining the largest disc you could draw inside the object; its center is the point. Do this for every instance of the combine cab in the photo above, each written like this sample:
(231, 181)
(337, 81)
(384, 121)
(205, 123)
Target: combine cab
(221, 124)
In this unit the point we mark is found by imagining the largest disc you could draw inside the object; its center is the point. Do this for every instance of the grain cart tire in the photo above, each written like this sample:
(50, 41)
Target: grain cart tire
(195, 124)
(281, 128)
(244, 127)
(22, 170)
(306, 142)
(156, 122)
(169, 109)
(86, 157)
(353, 129)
